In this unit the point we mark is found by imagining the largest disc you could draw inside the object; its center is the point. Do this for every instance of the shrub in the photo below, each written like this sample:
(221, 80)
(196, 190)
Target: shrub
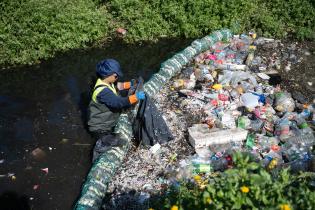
(247, 186)
(35, 29)
(148, 19)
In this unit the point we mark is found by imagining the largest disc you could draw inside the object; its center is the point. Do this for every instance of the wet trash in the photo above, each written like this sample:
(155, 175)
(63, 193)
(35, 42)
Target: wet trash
(155, 148)
(36, 187)
(121, 31)
(64, 141)
(230, 98)
(45, 170)
(38, 154)
(12, 176)
(263, 76)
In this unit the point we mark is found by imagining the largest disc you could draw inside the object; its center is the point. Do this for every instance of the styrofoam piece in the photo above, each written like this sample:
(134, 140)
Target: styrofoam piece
(155, 148)
(201, 136)
(263, 76)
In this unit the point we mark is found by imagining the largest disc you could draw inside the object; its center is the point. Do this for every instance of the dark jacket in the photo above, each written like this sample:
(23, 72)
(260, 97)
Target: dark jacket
(105, 107)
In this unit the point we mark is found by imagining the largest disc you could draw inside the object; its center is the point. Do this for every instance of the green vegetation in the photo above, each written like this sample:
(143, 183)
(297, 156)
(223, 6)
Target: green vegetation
(35, 29)
(152, 19)
(247, 186)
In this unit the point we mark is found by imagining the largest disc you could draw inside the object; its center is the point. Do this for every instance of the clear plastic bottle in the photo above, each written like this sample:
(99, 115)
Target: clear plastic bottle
(200, 165)
(250, 55)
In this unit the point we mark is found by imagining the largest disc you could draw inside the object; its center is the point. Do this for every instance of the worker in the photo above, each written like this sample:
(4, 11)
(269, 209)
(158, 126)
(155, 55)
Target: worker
(106, 103)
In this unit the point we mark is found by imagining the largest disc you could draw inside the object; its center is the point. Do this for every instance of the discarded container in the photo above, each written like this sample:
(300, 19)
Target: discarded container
(201, 136)
(231, 66)
(243, 122)
(284, 102)
(250, 55)
(250, 100)
(200, 165)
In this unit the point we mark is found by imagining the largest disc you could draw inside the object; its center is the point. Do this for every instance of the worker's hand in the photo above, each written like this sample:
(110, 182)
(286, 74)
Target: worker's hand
(140, 95)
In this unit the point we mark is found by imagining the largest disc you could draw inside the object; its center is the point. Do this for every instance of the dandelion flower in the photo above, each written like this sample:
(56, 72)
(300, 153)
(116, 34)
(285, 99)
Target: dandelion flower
(197, 178)
(174, 207)
(208, 200)
(285, 207)
(244, 189)
(150, 209)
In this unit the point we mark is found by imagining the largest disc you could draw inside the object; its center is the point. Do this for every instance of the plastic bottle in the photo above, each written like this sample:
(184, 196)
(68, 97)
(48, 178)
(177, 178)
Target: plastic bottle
(243, 122)
(284, 102)
(272, 159)
(200, 165)
(250, 55)
(250, 141)
(266, 143)
(256, 124)
(300, 164)
(231, 66)
(305, 139)
(301, 123)
(263, 40)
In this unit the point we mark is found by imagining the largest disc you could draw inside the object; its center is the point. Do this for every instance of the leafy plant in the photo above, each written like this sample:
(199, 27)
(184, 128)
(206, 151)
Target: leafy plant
(246, 186)
(36, 29)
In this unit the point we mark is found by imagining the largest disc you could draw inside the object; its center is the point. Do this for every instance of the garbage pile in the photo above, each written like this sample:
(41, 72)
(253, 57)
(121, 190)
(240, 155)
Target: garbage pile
(223, 102)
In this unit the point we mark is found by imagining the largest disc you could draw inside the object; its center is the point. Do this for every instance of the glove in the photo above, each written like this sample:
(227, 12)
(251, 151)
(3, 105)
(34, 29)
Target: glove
(140, 95)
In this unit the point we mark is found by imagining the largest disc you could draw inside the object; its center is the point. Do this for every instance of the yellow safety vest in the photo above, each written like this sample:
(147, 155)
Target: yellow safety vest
(99, 86)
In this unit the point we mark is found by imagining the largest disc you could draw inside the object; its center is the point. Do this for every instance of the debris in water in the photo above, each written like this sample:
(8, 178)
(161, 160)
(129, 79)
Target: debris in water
(45, 170)
(38, 154)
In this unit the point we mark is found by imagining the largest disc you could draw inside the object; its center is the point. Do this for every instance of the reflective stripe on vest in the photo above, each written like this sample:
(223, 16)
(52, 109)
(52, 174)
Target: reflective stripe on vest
(101, 87)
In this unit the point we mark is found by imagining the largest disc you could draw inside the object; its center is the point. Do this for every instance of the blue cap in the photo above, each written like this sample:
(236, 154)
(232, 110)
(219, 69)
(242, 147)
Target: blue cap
(108, 67)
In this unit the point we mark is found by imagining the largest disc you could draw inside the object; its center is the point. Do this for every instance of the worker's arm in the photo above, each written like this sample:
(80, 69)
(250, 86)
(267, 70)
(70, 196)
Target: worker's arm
(107, 97)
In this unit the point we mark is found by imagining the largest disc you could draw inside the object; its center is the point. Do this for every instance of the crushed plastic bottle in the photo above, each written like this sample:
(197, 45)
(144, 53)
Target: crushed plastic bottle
(284, 102)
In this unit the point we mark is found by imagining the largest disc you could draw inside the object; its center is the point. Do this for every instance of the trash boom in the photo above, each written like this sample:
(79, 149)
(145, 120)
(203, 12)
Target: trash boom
(104, 168)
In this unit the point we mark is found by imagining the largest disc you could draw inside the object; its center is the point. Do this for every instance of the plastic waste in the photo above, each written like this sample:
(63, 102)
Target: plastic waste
(284, 102)
(265, 143)
(263, 40)
(200, 165)
(250, 100)
(250, 55)
(200, 135)
(231, 66)
(243, 122)
(228, 120)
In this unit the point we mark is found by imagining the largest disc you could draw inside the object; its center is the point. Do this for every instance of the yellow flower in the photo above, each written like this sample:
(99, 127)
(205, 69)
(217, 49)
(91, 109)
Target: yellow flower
(174, 207)
(197, 178)
(209, 201)
(285, 207)
(150, 209)
(244, 189)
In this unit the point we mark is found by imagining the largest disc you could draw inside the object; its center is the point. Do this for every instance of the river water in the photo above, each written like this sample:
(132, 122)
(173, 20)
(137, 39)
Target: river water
(45, 149)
